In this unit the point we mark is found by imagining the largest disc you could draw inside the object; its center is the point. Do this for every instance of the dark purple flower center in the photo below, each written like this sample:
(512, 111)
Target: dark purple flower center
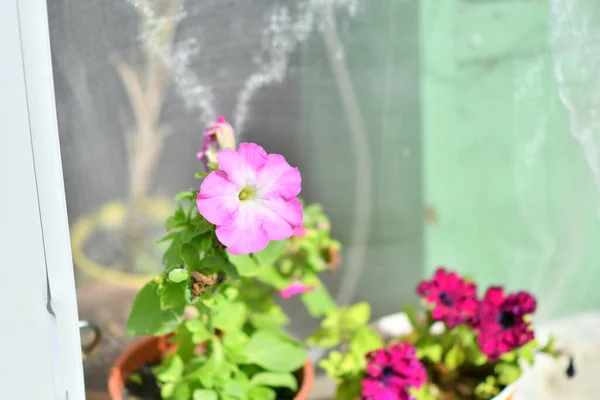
(507, 319)
(386, 374)
(445, 299)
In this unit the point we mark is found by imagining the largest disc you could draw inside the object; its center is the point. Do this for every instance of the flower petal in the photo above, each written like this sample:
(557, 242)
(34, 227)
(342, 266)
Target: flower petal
(278, 178)
(281, 217)
(494, 295)
(254, 155)
(294, 289)
(237, 169)
(300, 232)
(245, 233)
(289, 210)
(217, 199)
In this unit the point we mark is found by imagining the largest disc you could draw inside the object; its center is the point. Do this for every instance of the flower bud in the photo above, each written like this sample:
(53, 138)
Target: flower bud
(217, 136)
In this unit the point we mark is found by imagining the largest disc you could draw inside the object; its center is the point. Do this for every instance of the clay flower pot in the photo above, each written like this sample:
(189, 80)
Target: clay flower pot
(152, 348)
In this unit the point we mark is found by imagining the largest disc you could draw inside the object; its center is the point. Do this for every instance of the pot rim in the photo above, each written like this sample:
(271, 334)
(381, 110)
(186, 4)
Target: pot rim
(116, 377)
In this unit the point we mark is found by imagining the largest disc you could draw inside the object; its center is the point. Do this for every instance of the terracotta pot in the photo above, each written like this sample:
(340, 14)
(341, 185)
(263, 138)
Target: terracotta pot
(152, 348)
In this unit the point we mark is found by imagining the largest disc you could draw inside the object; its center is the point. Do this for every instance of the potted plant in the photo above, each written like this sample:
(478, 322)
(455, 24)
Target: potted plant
(459, 347)
(235, 246)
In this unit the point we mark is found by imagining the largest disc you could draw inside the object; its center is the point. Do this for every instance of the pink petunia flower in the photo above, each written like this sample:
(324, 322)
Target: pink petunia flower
(217, 137)
(501, 324)
(251, 199)
(454, 299)
(294, 289)
(391, 373)
(300, 232)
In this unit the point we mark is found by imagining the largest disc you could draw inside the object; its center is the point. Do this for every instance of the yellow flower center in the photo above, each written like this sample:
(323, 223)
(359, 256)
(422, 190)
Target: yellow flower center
(247, 193)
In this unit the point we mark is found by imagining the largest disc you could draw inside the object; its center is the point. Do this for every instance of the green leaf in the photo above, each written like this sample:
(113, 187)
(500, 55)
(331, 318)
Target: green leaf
(203, 242)
(188, 195)
(172, 223)
(354, 317)
(172, 295)
(185, 345)
(182, 391)
(271, 253)
(216, 349)
(487, 389)
(168, 237)
(201, 337)
(274, 379)
(196, 325)
(211, 264)
(202, 226)
(148, 318)
(234, 389)
(348, 389)
(423, 393)
(365, 341)
(245, 265)
(431, 351)
(527, 351)
(274, 352)
(167, 389)
(199, 330)
(507, 373)
(190, 255)
(201, 175)
(318, 301)
(455, 357)
(230, 316)
(550, 347)
(230, 270)
(261, 393)
(480, 360)
(272, 317)
(271, 276)
(187, 234)
(233, 345)
(509, 357)
(210, 372)
(204, 394)
(325, 338)
(172, 255)
(331, 365)
(177, 220)
(171, 371)
(178, 275)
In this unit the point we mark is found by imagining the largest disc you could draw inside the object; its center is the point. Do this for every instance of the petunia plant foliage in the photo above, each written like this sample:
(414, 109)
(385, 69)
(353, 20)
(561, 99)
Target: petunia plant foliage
(234, 247)
(458, 347)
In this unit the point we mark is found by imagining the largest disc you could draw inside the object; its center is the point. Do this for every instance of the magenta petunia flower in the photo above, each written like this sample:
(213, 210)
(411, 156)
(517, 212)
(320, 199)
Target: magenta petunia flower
(294, 289)
(251, 199)
(217, 137)
(454, 299)
(501, 324)
(391, 373)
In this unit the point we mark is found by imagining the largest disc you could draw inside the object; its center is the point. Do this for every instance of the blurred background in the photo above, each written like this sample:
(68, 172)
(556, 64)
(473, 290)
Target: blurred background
(455, 132)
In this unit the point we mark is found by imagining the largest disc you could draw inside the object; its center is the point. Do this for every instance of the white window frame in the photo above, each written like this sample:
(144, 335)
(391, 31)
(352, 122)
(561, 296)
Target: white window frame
(39, 339)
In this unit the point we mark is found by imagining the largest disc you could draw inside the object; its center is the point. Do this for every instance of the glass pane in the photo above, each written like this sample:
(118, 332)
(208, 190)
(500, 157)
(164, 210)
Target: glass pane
(454, 132)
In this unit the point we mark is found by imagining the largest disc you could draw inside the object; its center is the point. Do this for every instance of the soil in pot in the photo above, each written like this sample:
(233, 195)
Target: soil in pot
(144, 386)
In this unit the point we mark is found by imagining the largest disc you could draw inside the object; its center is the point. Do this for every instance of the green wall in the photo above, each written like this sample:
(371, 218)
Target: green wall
(513, 197)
